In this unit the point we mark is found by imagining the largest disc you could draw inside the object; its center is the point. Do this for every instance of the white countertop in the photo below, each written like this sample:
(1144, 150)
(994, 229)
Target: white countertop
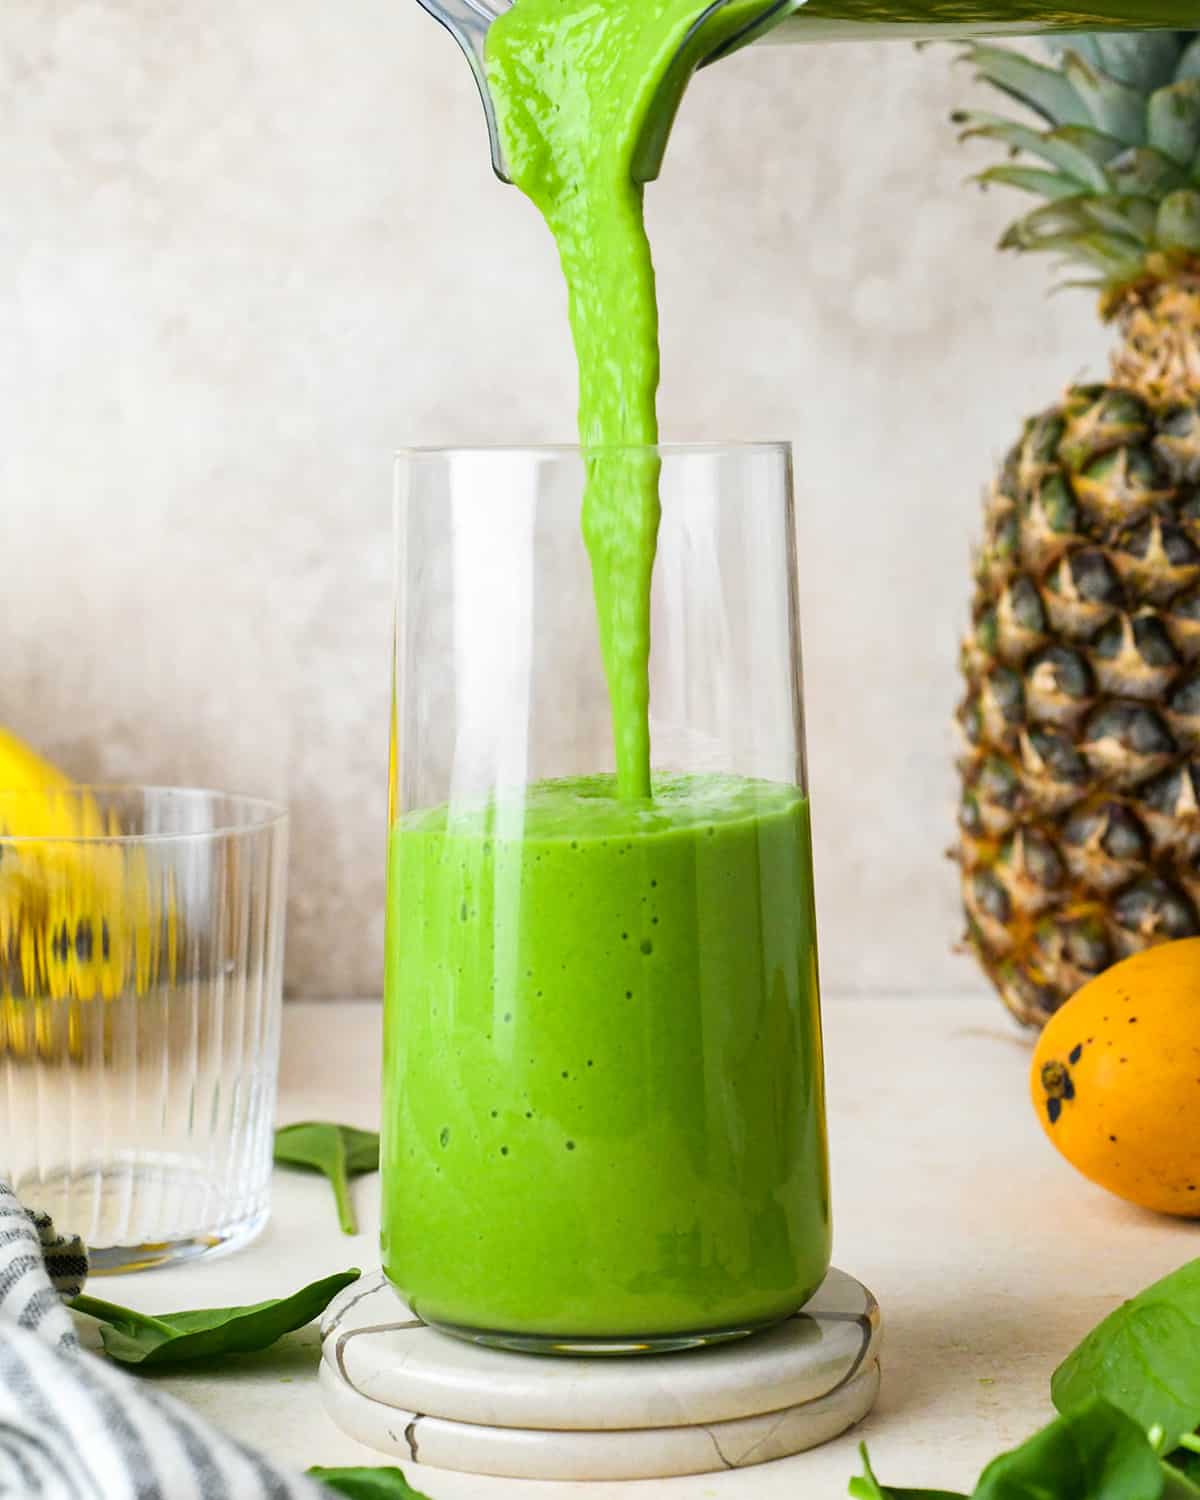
(990, 1257)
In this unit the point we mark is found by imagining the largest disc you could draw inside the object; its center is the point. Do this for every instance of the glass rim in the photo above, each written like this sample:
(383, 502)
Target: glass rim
(416, 452)
(264, 814)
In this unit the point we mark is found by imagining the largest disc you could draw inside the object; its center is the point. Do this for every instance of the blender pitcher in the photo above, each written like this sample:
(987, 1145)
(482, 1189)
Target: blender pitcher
(723, 26)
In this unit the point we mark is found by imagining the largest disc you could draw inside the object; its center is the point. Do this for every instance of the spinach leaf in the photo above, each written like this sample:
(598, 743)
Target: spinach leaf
(1177, 1485)
(1187, 1462)
(367, 1484)
(1095, 1452)
(1143, 1358)
(340, 1151)
(867, 1487)
(134, 1338)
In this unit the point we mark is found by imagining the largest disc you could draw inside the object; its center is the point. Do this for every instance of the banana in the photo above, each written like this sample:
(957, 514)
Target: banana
(78, 921)
(23, 770)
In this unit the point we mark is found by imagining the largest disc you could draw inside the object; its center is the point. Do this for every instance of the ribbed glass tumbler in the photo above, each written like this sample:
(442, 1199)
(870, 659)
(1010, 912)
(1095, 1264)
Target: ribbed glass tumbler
(141, 955)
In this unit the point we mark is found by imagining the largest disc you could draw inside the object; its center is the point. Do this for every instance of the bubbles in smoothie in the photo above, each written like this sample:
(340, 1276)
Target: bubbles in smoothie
(445, 1136)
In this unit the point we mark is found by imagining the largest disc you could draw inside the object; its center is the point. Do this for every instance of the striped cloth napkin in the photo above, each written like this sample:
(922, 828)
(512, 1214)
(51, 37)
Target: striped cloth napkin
(74, 1428)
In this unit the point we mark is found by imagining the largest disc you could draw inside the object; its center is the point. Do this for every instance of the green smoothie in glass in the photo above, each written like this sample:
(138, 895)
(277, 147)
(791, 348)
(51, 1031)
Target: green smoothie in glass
(603, 1108)
(604, 1114)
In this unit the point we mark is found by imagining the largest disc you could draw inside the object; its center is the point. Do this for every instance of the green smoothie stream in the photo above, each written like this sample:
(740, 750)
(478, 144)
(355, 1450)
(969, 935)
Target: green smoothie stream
(603, 1108)
(577, 85)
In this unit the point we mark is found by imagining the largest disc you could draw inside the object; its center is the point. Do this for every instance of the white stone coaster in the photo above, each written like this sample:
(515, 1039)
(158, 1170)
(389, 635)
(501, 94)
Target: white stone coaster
(419, 1395)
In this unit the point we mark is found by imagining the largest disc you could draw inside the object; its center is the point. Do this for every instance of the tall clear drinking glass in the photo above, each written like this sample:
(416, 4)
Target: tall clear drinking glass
(603, 1123)
(141, 954)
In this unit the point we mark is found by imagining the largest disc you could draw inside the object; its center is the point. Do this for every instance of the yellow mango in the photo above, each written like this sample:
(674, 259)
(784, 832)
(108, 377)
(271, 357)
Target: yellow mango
(1116, 1079)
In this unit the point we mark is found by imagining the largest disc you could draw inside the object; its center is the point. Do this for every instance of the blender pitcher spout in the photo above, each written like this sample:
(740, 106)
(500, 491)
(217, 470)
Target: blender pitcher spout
(467, 21)
(710, 36)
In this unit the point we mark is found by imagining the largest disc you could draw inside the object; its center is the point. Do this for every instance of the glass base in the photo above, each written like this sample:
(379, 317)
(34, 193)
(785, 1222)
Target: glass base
(116, 1260)
(148, 1208)
(612, 1348)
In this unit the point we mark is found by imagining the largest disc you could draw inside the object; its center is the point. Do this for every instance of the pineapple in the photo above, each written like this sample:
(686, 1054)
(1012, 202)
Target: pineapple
(1080, 816)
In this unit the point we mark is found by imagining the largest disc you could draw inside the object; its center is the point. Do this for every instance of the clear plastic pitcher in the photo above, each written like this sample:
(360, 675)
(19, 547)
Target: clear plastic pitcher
(787, 21)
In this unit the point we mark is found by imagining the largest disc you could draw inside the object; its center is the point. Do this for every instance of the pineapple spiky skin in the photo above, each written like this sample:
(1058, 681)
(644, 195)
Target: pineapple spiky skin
(1080, 819)
(1080, 727)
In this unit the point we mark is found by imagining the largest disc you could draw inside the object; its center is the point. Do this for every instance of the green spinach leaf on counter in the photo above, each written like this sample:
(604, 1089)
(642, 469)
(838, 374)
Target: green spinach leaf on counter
(367, 1484)
(1144, 1358)
(134, 1338)
(339, 1151)
(1129, 1404)
(1095, 1452)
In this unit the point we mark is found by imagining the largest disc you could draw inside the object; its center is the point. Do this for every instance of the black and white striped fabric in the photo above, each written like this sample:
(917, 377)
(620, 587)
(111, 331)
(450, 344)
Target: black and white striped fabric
(72, 1426)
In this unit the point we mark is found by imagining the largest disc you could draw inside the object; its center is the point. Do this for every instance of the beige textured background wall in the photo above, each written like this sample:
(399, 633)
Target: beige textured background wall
(249, 246)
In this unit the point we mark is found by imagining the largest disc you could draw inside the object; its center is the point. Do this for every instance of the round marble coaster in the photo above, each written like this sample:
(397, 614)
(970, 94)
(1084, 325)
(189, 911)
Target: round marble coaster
(399, 1386)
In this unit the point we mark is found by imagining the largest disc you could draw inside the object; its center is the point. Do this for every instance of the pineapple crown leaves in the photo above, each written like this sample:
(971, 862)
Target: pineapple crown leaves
(1114, 151)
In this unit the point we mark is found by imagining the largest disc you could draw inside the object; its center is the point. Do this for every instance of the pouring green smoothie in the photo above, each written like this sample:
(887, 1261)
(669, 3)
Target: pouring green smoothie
(576, 89)
(604, 1115)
